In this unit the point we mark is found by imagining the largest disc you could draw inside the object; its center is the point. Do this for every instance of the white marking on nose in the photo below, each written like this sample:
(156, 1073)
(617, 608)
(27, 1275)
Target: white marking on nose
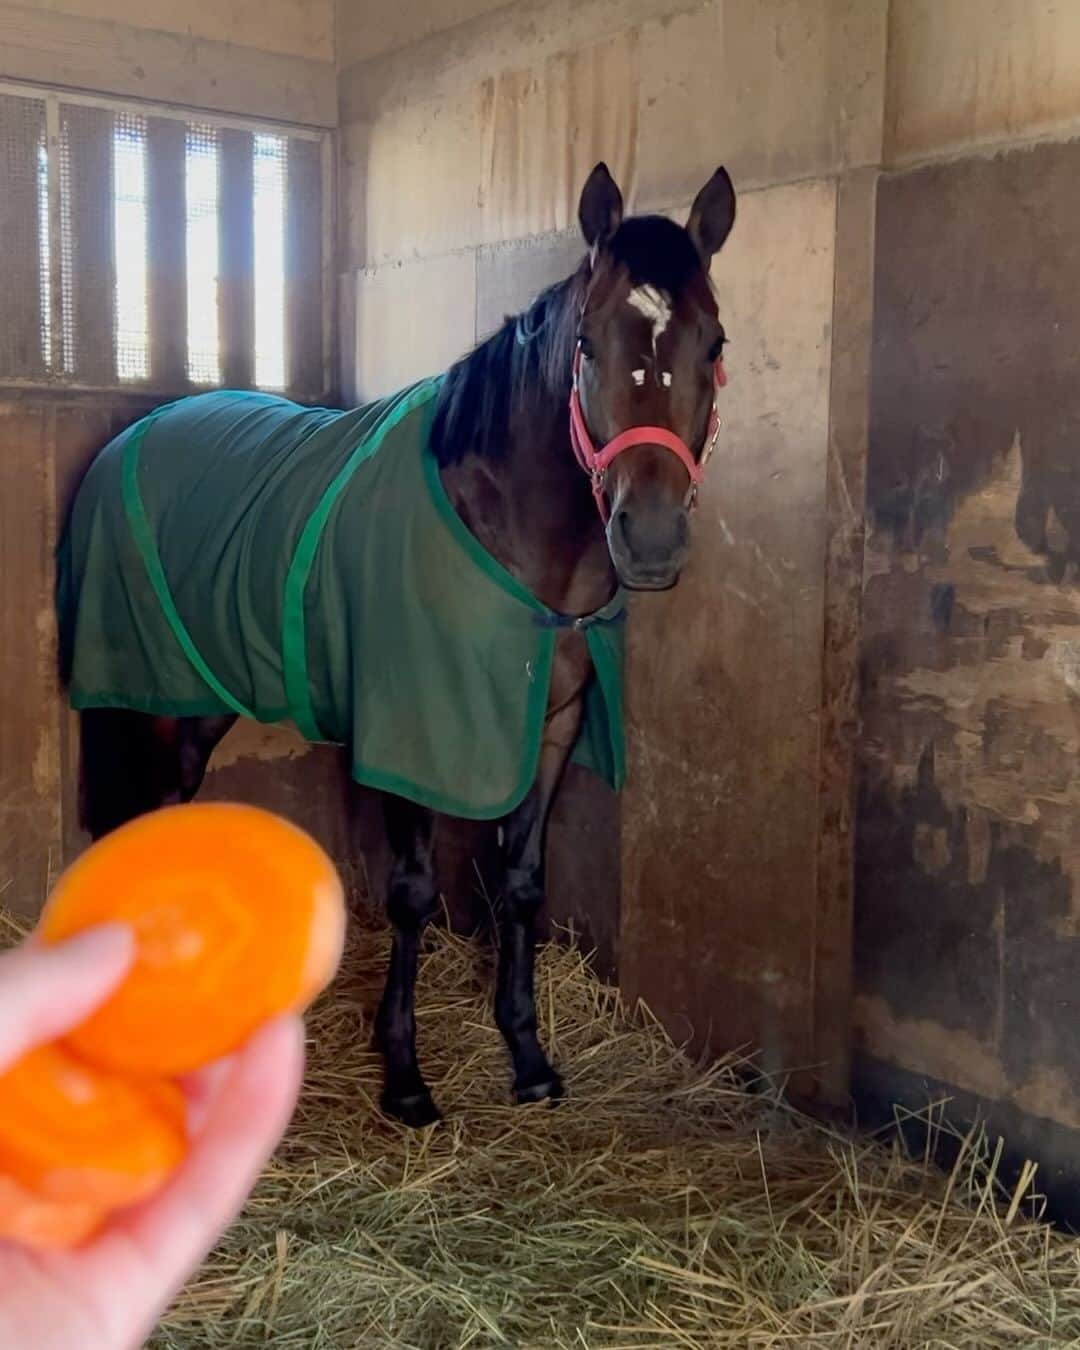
(656, 307)
(665, 379)
(638, 376)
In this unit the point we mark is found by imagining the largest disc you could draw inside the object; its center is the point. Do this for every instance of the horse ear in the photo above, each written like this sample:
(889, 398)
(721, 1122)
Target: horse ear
(712, 216)
(600, 210)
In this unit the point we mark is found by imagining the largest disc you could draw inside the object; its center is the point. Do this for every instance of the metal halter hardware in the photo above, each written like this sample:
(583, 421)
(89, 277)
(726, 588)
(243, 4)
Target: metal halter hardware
(595, 462)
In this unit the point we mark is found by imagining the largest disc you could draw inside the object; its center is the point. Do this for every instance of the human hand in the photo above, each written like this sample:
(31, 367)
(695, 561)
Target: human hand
(109, 1293)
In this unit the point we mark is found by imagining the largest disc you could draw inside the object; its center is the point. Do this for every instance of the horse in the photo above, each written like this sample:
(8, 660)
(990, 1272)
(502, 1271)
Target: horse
(566, 451)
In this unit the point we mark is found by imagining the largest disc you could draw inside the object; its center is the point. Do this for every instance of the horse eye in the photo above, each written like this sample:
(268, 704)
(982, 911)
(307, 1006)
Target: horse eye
(586, 347)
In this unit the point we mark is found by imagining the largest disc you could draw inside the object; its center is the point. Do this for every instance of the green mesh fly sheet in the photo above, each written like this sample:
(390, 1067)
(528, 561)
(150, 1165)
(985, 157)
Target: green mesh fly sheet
(234, 552)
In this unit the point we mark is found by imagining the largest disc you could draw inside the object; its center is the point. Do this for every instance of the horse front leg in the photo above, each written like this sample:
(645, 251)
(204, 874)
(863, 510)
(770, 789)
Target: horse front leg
(411, 903)
(524, 833)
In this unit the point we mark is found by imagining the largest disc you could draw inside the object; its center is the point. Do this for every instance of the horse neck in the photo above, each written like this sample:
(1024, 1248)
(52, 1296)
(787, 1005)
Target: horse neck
(533, 510)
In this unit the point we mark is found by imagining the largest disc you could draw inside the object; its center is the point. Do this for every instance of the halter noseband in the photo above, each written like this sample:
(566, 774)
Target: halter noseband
(595, 462)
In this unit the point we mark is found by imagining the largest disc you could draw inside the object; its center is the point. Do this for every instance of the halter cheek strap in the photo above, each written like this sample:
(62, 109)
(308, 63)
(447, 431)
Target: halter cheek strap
(595, 462)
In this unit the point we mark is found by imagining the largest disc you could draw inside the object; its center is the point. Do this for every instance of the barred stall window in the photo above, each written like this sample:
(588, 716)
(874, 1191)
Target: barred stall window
(145, 248)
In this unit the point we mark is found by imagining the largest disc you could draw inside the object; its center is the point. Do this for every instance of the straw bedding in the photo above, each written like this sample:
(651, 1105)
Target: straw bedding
(663, 1205)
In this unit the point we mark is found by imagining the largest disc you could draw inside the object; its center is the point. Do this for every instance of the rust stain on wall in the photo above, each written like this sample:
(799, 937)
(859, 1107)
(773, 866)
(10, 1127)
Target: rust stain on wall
(968, 851)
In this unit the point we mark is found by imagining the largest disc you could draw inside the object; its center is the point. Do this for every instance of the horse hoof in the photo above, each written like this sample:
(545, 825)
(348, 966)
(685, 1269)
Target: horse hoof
(414, 1111)
(549, 1089)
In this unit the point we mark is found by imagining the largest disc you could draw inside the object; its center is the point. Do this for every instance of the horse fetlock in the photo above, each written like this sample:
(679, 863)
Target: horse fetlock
(546, 1085)
(523, 894)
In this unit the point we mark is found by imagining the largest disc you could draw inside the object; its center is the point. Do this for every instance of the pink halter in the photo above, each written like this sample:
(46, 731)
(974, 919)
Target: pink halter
(595, 462)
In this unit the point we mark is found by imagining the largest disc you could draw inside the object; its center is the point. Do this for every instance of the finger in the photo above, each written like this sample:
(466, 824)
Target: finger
(47, 990)
(201, 1090)
(165, 1239)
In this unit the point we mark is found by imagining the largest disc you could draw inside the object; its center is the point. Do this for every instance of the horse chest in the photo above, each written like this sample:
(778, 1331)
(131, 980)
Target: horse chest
(570, 672)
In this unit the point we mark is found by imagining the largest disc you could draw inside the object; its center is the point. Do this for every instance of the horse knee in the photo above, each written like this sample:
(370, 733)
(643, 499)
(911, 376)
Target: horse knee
(412, 902)
(523, 894)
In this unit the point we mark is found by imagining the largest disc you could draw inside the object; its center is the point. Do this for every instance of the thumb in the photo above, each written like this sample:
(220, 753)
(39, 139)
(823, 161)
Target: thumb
(47, 990)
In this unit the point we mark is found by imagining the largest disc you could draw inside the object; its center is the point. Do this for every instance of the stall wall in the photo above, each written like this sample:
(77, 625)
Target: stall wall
(968, 854)
(462, 159)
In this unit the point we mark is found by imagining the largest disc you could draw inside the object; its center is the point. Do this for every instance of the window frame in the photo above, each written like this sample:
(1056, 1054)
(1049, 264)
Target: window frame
(53, 98)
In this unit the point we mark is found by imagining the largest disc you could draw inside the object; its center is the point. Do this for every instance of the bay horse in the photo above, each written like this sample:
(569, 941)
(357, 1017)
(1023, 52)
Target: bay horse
(569, 445)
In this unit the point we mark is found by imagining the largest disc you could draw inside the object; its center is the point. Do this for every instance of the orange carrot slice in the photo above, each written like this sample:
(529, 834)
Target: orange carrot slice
(74, 1134)
(238, 916)
(46, 1224)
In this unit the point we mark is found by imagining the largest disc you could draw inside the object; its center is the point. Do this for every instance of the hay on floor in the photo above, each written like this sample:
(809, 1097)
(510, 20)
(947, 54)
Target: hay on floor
(662, 1205)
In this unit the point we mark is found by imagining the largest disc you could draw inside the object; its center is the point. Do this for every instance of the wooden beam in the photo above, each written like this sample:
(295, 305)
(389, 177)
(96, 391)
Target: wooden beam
(67, 51)
(845, 489)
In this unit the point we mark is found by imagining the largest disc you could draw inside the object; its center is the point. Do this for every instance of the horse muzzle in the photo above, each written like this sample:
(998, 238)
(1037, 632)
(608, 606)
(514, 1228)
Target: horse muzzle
(649, 545)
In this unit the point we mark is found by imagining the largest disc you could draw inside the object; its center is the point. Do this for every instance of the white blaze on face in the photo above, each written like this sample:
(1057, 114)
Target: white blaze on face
(656, 307)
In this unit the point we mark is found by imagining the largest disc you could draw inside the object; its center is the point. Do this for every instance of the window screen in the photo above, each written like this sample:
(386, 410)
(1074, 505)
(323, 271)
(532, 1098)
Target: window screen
(147, 249)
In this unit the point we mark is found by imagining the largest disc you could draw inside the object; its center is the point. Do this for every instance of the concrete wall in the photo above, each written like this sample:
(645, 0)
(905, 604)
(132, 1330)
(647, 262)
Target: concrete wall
(462, 159)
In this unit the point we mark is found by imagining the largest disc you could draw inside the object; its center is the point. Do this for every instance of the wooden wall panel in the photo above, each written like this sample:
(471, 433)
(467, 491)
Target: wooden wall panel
(404, 22)
(29, 725)
(82, 427)
(845, 494)
(968, 855)
(719, 830)
(964, 72)
(546, 126)
(291, 27)
(124, 58)
(510, 276)
(780, 89)
(46, 446)
(412, 320)
(411, 180)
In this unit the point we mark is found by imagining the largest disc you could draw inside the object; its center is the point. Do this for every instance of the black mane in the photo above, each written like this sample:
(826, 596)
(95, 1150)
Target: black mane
(528, 360)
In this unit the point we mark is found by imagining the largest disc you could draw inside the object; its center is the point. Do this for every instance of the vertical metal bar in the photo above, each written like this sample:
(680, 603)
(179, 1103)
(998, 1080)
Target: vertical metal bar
(236, 296)
(90, 138)
(166, 252)
(329, 260)
(304, 280)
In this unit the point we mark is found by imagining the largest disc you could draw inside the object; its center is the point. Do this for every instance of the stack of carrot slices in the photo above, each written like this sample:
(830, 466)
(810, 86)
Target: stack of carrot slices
(238, 917)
